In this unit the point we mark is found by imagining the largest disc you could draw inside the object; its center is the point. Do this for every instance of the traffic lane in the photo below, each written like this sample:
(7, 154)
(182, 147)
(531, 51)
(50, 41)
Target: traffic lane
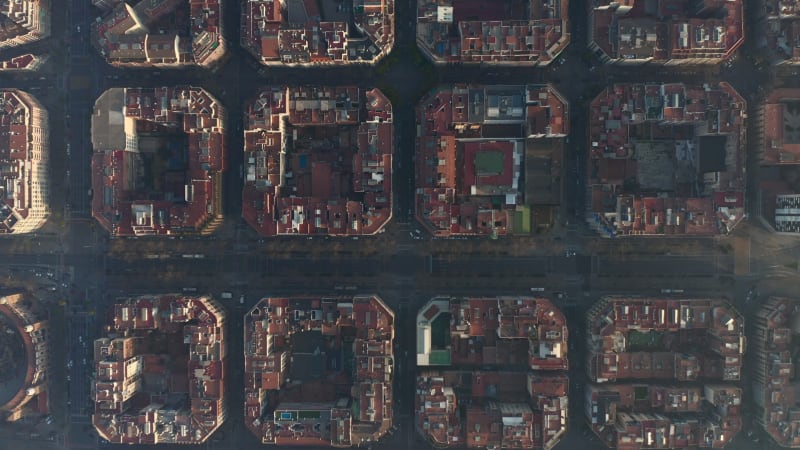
(663, 265)
(482, 266)
(236, 263)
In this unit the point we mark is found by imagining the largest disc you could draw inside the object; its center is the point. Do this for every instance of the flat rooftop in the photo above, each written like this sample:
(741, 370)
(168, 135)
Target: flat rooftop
(664, 339)
(665, 31)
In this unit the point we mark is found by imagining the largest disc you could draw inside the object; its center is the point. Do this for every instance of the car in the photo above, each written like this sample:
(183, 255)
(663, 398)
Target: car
(68, 150)
(84, 361)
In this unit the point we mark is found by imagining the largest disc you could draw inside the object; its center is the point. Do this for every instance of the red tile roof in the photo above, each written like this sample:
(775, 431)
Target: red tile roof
(126, 35)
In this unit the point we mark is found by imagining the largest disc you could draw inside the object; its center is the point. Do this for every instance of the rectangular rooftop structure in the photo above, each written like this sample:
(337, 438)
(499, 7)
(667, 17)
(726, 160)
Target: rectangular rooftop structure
(664, 338)
(774, 383)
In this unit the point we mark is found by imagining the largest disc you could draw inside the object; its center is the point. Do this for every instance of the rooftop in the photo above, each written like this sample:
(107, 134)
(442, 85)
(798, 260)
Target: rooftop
(638, 416)
(25, 359)
(161, 32)
(23, 22)
(774, 381)
(782, 127)
(522, 332)
(666, 31)
(28, 61)
(664, 339)
(783, 30)
(318, 160)
(318, 370)
(160, 371)
(24, 155)
(484, 409)
(159, 155)
(472, 144)
(523, 32)
(296, 32)
(666, 159)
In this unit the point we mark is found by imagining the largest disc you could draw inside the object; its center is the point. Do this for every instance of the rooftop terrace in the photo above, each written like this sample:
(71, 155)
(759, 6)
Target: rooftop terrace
(161, 33)
(24, 157)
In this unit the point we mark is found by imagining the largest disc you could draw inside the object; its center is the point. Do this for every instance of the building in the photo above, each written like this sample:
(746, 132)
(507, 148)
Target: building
(23, 22)
(779, 202)
(319, 370)
(296, 32)
(27, 62)
(774, 388)
(523, 404)
(687, 355)
(666, 159)
(783, 31)
(663, 339)
(160, 32)
(318, 160)
(160, 371)
(25, 372)
(670, 32)
(493, 331)
(24, 158)
(523, 32)
(640, 416)
(159, 156)
(489, 159)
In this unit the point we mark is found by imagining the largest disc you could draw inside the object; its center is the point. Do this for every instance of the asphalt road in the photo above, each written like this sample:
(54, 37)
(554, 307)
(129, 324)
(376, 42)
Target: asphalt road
(405, 272)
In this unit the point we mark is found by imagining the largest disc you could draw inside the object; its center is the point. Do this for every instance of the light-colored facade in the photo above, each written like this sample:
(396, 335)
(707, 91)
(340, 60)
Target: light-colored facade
(26, 21)
(24, 135)
(160, 371)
